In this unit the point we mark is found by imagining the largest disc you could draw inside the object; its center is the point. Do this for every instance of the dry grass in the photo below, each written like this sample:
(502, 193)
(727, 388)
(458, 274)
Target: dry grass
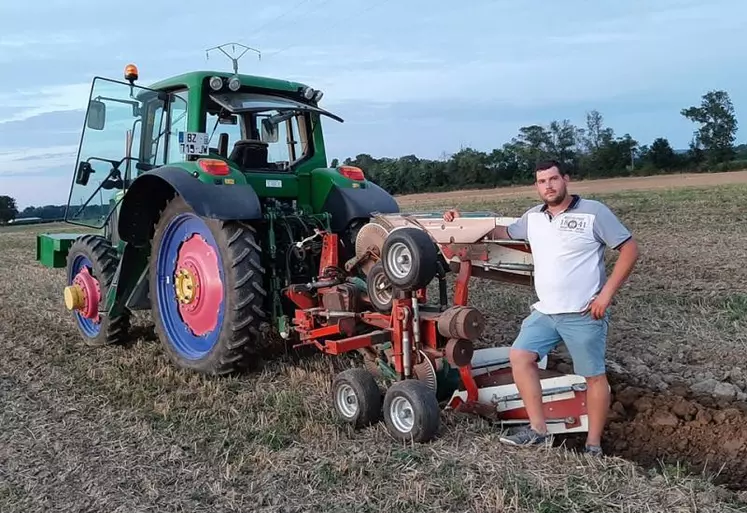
(120, 429)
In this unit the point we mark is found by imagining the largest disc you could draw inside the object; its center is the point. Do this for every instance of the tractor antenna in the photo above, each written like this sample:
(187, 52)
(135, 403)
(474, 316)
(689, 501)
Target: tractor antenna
(234, 59)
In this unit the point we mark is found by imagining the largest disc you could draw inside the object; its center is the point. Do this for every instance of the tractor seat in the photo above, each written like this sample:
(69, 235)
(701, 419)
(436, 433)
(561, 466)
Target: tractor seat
(249, 153)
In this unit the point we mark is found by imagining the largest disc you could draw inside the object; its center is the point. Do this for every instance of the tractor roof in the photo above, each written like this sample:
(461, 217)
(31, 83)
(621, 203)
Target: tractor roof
(194, 78)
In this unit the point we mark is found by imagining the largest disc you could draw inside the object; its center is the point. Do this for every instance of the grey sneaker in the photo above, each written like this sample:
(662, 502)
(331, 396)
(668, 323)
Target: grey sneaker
(525, 436)
(593, 450)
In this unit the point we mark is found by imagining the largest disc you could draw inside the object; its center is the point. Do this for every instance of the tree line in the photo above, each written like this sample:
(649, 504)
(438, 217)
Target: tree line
(590, 151)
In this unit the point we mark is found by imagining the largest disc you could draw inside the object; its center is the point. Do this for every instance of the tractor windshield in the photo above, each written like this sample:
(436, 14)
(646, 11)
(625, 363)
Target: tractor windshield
(128, 129)
(261, 132)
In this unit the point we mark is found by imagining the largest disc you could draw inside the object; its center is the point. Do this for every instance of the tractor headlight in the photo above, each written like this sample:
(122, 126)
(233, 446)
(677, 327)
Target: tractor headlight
(216, 83)
(318, 96)
(234, 84)
(308, 93)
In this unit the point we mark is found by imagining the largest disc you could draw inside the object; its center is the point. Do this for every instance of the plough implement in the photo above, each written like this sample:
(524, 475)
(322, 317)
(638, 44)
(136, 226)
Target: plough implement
(423, 350)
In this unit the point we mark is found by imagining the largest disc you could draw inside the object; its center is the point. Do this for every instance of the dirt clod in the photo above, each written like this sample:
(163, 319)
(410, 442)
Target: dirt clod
(670, 429)
(665, 418)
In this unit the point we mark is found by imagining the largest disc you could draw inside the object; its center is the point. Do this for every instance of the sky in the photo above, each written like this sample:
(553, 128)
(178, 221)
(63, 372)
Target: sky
(428, 81)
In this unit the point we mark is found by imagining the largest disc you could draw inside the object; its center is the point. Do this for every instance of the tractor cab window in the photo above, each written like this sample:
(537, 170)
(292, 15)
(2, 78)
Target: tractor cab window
(223, 130)
(275, 131)
(256, 148)
(289, 143)
(177, 123)
(126, 131)
(163, 130)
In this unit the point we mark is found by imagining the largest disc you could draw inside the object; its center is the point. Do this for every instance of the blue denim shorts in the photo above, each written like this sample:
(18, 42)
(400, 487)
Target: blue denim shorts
(584, 336)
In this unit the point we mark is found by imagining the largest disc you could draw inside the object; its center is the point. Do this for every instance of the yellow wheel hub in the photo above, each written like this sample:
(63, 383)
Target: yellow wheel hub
(74, 299)
(184, 285)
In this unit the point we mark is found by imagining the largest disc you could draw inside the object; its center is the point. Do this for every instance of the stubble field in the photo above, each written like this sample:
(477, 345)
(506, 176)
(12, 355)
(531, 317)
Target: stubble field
(120, 429)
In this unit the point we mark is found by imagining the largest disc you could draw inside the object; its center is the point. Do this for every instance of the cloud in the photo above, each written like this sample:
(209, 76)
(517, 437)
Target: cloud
(26, 161)
(57, 98)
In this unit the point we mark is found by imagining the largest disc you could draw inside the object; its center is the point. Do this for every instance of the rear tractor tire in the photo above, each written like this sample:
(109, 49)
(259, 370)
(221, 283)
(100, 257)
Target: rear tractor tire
(357, 397)
(207, 291)
(91, 265)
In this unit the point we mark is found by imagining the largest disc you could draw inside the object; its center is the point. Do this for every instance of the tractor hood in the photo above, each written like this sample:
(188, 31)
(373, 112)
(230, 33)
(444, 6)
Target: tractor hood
(251, 102)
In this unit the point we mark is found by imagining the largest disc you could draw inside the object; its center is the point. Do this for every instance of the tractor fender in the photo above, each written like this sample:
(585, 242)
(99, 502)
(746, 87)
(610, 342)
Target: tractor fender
(151, 191)
(348, 204)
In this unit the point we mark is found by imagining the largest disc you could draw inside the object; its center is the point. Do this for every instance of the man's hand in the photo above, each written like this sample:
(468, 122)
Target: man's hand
(450, 215)
(599, 305)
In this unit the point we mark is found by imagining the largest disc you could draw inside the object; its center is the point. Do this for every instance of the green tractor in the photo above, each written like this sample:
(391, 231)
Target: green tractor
(209, 191)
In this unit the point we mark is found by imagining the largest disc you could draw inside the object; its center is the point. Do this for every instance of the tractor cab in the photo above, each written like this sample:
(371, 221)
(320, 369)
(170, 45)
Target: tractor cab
(221, 122)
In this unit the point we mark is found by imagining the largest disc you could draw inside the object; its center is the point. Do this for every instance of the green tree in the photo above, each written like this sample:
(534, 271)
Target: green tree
(661, 155)
(595, 136)
(564, 142)
(8, 209)
(718, 126)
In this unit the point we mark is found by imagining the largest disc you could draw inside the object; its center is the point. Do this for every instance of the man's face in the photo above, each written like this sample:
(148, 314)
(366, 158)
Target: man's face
(551, 186)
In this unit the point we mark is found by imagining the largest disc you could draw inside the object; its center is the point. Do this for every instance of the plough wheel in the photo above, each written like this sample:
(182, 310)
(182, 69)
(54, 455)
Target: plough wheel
(207, 291)
(379, 289)
(410, 258)
(411, 411)
(357, 397)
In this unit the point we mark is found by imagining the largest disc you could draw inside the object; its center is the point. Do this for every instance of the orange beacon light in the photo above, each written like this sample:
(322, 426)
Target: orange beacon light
(131, 73)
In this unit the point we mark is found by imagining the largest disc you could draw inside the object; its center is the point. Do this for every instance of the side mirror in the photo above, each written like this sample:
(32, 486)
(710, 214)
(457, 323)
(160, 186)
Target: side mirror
(269, 131)
(228, 120)
(83, 173)
(96, 115)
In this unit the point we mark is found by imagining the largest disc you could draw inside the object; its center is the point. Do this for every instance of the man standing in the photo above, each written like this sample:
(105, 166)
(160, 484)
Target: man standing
(568, 236)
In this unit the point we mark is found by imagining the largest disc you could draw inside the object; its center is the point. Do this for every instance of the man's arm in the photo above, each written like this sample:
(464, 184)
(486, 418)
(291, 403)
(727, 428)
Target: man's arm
(517, 230)
(609, 230)
(623, 267)
(499, 232)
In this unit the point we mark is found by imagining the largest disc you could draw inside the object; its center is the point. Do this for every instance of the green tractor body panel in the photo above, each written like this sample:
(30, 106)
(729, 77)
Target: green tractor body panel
(52, 248)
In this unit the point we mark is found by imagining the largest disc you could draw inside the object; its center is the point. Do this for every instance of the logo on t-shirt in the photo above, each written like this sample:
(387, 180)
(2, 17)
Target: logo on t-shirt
(571, 223)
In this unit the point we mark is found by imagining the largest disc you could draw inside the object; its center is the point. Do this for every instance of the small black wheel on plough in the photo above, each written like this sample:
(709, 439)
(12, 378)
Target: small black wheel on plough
(357, 397)
(411, 411)
(410, 259)
(379, 288)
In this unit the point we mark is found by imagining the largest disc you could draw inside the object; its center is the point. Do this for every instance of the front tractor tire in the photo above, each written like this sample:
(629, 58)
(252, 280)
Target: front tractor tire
(207, 291)
(91, 266)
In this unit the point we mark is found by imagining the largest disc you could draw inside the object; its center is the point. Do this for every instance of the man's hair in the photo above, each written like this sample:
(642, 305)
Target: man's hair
(547, 164)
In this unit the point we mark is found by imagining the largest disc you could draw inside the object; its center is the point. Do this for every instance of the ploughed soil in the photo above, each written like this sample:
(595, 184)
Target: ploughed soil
(700, 434)
(649, 428)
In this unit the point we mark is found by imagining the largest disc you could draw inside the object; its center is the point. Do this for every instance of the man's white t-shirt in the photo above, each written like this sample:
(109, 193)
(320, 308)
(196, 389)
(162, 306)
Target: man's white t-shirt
(568, 252)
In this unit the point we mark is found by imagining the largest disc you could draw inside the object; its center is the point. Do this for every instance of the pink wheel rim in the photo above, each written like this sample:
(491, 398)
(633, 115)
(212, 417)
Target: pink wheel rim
(199, 288)
(91, 294)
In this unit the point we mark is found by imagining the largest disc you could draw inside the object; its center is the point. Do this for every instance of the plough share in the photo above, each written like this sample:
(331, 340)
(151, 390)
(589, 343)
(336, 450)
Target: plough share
(423, 351)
